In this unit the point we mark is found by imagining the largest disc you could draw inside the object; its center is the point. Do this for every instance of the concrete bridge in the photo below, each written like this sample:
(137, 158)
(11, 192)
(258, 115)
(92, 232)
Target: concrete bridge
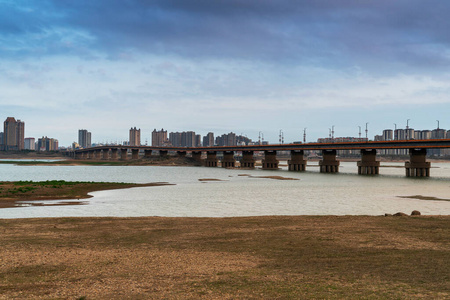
(417, 166)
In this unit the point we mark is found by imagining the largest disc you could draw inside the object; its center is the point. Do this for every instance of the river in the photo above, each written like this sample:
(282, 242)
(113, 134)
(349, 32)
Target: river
(238, 194)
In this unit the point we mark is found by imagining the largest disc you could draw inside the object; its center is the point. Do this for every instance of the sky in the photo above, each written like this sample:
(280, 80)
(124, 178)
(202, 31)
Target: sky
(243, 66)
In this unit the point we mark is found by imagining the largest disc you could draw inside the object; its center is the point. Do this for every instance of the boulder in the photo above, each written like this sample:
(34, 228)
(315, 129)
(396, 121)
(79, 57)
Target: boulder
(415, 213)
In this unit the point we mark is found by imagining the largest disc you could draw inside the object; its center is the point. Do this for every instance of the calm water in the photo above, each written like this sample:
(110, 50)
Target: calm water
(345, 193)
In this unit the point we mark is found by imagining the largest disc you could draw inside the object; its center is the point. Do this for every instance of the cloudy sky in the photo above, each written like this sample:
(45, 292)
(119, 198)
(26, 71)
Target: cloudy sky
(213, 65)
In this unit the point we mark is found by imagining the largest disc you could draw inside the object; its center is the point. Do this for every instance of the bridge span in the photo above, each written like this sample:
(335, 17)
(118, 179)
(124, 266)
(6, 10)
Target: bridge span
(417, 166)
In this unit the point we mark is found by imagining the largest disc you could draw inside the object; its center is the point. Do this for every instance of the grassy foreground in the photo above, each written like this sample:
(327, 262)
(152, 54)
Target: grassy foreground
(13, 191)
(322, 257)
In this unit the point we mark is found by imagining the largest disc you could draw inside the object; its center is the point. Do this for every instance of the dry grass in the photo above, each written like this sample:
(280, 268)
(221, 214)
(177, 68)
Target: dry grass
(225, 258)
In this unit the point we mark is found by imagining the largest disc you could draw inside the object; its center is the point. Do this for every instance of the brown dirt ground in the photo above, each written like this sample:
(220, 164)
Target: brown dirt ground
(324, 257)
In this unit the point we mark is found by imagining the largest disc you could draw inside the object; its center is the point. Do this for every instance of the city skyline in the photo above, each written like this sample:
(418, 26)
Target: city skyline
(236, 66)
(134, 136)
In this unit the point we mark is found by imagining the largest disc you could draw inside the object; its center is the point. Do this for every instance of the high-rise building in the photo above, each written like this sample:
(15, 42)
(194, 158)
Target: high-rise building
(159, 138)
(135, 137)
(84, 138)
(198, 140)
(438, 133)
(13, 134)
(388, 135)
(208, 140)
(30, 144)
(226, 139)
(47, 144)
(175, 139)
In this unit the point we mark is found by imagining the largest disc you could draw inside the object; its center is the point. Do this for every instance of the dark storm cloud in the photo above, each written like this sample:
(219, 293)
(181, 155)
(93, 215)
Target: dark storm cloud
(334, 33)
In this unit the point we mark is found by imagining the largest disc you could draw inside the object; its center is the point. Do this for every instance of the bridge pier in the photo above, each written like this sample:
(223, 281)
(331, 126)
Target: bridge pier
(211, 159)
(228, 160)
(105, 154)
(248, 161)
(124, 154)
(329, 164)
(114, 153)
(417, 166)
(134, 154)
(270, 161)
(197, 156)
(78, 155)
(297, 161)
(97, 154)
(84, 155)
(148, 153)
(368, 165)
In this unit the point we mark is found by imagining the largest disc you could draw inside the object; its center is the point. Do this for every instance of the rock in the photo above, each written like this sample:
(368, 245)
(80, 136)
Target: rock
(415, 213)
(400, 214)
(387, 215)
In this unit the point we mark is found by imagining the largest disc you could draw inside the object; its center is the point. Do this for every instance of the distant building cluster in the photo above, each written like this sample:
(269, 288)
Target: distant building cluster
(396, 134)
(343, 140)
(411, 134)
(13, 138)
(47, 144)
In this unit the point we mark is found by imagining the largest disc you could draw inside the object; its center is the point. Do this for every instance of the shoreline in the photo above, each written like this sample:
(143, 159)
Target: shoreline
(269, 257)
(12, 194)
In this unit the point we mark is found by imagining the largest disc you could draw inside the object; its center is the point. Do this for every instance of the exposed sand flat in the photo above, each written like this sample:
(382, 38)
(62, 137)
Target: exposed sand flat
(285, 257)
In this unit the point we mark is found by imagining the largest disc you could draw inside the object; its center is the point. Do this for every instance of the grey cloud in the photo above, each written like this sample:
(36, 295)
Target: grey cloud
(374, 34)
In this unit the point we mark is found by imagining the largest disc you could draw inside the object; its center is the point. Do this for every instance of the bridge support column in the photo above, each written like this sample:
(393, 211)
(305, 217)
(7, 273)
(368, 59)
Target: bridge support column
(197, 155)
(78, 155)
(270, 161)
(134, 154)
(228, 160)
(91, 154)
(181, 154)
(297, 162)
(105, 154)
(211, 159)
(124, 154)
(97, 154)
(368, 165)
(417, 166)
(247, 160)
(148, 153)
(114, 153)
(84, 155)
(329, 164)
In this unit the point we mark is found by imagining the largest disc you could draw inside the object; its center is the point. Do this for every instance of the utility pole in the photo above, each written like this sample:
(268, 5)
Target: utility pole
(395, 132)
(259, 138)
(359, 132)
(367, 131)
(407, 129)
(304, 135)
(438, 124)
(329, 133)
(332, 132)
